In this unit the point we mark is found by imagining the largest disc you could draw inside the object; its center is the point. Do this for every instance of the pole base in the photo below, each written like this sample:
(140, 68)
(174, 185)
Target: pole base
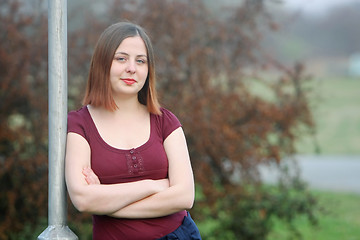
(57, 232)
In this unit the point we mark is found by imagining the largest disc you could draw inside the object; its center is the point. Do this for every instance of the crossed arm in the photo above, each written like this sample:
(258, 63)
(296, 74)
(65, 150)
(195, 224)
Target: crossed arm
(141, 199)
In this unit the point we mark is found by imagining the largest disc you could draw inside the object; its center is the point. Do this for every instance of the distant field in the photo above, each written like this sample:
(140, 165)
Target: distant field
(336, 109)
(341, 220)
(335, 104)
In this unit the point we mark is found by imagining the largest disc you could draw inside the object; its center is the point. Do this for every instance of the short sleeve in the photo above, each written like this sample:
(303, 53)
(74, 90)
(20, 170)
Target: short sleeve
(76, 123)
(169, 123)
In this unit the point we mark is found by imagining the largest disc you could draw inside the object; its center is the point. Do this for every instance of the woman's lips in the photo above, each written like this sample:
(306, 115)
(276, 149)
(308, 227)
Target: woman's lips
(128, 81)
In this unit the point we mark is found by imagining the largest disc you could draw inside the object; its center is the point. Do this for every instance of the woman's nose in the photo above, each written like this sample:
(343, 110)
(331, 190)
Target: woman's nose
(131, 67)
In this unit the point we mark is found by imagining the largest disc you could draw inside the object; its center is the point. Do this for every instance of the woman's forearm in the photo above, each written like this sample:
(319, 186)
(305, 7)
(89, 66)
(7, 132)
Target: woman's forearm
(169, 201)
(106, 199)
(172, 199)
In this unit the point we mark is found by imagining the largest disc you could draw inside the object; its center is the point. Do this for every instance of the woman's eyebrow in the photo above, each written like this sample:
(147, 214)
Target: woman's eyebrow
(126, 54)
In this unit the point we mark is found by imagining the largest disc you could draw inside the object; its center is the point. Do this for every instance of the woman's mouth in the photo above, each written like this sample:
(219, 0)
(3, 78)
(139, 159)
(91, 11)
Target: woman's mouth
(128, 81)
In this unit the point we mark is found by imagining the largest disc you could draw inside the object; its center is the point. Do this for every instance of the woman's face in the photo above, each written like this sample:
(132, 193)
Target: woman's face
(129, 68)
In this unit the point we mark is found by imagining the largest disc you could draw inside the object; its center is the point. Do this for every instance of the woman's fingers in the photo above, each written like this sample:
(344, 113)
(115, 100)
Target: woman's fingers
(90, 176)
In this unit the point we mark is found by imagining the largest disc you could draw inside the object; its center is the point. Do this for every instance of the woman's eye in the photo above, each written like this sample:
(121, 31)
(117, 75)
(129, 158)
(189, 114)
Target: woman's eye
(141, 61)
(120, 59)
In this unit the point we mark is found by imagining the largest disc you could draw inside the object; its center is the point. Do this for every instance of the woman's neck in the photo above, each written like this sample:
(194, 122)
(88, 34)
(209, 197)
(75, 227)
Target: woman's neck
(126, 107)
(128, 104)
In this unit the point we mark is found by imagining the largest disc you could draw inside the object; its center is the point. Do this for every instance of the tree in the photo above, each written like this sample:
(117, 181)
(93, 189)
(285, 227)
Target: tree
(23, 111)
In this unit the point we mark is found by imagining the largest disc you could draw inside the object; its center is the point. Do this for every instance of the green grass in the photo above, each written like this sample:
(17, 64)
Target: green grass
(341, 220)
(336, 109)
(335, 104)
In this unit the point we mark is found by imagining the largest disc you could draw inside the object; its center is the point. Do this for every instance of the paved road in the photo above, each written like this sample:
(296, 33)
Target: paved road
(333, 173)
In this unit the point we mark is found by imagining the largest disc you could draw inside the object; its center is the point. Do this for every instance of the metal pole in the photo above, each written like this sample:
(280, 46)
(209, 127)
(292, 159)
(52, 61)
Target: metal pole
(57, 46)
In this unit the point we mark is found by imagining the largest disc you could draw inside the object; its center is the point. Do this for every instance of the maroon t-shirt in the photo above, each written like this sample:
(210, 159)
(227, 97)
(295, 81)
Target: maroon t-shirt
(113, 165)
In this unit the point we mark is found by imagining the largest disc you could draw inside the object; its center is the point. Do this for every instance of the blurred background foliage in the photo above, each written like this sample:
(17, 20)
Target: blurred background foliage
(208, 60)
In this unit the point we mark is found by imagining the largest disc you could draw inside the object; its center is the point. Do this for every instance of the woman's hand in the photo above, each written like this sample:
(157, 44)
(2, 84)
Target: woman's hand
(90, 176)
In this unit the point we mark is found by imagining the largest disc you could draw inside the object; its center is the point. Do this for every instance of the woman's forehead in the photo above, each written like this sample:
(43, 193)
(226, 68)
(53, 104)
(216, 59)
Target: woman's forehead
(132, 45)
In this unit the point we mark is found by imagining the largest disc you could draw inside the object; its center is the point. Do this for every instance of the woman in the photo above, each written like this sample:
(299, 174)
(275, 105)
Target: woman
(127, 160)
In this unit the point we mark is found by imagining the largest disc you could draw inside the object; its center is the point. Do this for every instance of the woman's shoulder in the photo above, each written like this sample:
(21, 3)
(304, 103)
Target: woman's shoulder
(78, 113)
(167, 112)
(167, 122)
(77, 122)
(77, 117)
(167, 115)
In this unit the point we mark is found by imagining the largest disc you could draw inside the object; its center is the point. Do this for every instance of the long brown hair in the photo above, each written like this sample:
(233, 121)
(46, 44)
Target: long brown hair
(98, 89)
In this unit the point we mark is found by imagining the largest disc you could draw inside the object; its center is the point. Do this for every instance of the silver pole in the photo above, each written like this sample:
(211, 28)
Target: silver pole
(57, 47)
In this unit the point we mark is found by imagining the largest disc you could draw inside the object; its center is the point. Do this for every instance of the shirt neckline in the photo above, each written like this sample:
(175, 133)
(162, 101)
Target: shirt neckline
(112, 148)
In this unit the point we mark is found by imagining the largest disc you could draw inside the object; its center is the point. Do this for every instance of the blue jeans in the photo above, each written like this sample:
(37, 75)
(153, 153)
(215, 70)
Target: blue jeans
(187, 231)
